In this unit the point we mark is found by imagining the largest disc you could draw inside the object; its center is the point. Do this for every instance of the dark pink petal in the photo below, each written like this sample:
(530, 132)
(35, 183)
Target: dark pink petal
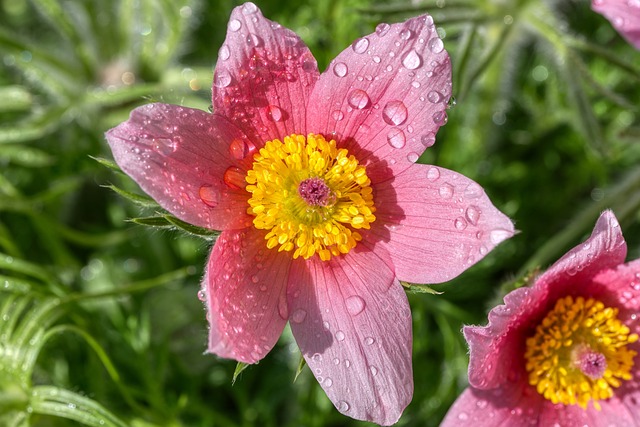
(263, 77)
(434, 223)
(244, 287)
(624, 15)
(512, 406)
(612, 413)
(352, 322)
(385, 96)
(621, 288)
(179, 156)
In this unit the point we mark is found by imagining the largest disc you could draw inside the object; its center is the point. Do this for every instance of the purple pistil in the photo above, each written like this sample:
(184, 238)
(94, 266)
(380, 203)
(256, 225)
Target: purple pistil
(315, 192)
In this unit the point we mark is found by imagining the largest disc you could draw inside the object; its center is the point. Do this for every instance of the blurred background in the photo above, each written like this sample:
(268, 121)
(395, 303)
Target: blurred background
(100, 323)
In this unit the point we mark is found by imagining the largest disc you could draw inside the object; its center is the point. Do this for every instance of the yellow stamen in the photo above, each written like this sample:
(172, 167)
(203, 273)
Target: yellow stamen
(310, 195)
(579, 353)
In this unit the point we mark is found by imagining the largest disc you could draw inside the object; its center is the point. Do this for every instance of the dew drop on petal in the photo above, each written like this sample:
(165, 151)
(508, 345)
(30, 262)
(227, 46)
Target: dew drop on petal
(382, 29)
(433, 174)
(413, 157)
(360, 45)
(209, 195)
(240, 149)
(249, 8)
(359, 99)
(472, 214)
(254, 40)
(165, 146)
(460, 224)
(355, 305)
(235, 25)
(337, 115)
(202, 296)
(374, 370)
(406, 34)
(328, 382)
(446, 191)
(436, 45)
(224, 53)
(440, 118)
(222, 79)
(412, 60)
(394, 113)
(396, 138)
(369, 340)
(343, 406)
(434, 97)
(340, 336)
(234, 178)
(274, 113)
(428, 139)
(340, 69)
(462, 416)
(298, 316)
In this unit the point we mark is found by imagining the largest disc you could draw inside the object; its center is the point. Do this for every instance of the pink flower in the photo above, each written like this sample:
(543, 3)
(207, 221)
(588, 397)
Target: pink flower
(624, 15)
(562, 352)
(312, 179)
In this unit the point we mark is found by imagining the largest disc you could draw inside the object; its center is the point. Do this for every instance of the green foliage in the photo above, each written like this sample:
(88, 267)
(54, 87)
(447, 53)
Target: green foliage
(99, 320)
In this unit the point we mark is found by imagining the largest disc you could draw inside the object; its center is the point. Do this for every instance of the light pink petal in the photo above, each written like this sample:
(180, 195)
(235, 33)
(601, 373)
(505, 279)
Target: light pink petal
(621, 288)
(612, 413)
(434, 223)
(352, 322)
(384, 97)
(244, 287)
(624, 15)
(516, 405)
(179, 156)
(263, 77)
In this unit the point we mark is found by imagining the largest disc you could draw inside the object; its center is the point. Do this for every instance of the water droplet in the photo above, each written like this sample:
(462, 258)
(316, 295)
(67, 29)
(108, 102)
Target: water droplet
(440, 118)
(209, 195)
(317, 357)
(498, 235)
(406, 34)
(462, 416)
(254, 40)
(340, 336)
(263, 288)
(481, 404)
(347, 363)
(360, 45)
(234, 178)
(224, 53)
(382, 29)
(413, 157)
(396, 138)
(202, 296)
(472, 214)
(336, 361)
(274, 113)
(340, 69)
(337, 115)
(240, 149)
(343, 406)
(434, 96)
(436, 45)
(222, 79)
(433, 174)
(460, 224)
(446, 191)
(355, 305)
(369, 340)
(377, 59)
(359, 99)
(249, 8)
(298, 316)
(374, 370)
(328, 382)
(165, 146)
(412, 60)
(235, 25)
(394, 113)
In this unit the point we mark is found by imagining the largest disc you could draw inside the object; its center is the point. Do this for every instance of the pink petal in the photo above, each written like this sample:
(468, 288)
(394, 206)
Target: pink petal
(263, 77)
(244, 287)
(624, 15)
(385, 96)
(621, 288)
(612, 413)
(434, 223)
(352, 322)
(515, 406)
(179, 156)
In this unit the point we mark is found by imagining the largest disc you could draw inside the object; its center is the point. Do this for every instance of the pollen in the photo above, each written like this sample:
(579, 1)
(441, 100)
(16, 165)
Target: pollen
(311, 196)
(579, 353)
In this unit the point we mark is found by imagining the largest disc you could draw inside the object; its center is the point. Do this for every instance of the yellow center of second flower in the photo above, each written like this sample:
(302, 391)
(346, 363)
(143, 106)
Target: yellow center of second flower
(310, 195)
(579, 352)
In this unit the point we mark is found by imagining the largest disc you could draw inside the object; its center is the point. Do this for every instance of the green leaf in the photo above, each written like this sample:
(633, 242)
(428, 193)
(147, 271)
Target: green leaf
(58, 402)
(240, 366)
(420, 289)
(152, 221)
(301, 364)
(143, 201)
(192, 229)
(25, 156)
(15, 98)
(108, 163)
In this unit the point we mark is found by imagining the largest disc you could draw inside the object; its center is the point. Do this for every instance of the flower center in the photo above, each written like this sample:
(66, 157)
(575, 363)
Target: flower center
(579, 352)
(310, 195)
